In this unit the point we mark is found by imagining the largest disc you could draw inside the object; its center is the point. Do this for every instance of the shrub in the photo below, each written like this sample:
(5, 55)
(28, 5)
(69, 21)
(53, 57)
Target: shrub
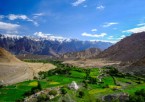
(93, 80)
(42, 97)
(53, 92)
(20, 100)
(28, 93)
(63, 91)
(81, 94)
(139, 96)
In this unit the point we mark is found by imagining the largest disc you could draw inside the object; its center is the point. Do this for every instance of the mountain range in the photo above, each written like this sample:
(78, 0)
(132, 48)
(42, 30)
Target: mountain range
(52, 47)
(85, 54)
(130, 51)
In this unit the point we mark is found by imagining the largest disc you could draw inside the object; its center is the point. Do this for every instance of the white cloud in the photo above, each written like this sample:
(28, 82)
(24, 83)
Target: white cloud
(105, 41)
(141, 24)
(8, 26)
(110, 24)
(12, 32)
(14, 17)
(94, 35)
(38, 15)
(1, 17)
(94, 30)
(101, 7)
(135, 30)
(78, 2)
(121, 37)
(85, 6)
(50, 36)
(42, 35)
(111, 37)
(21, 17)
(35, 23)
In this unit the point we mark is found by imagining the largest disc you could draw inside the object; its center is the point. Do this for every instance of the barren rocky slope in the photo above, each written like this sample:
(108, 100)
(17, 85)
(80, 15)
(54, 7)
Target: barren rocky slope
(129, 49)
(12, 70)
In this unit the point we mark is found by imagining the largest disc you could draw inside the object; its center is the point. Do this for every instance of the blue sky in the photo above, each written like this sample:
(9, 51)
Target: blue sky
(100, 20)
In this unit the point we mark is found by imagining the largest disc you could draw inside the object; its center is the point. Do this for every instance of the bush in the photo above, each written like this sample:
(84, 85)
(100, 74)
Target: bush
(1, 86)
(37, 88)
(139, 96)
(28, 93)
(93, 80)
(81, 94)
(63, 91)
(42, 97)
(53, 92)
(35, 77)
(85, 83)
(20, 100)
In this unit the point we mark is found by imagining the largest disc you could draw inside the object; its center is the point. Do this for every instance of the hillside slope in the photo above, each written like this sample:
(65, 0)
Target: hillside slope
(6, 57)
(129, 49)
(12, 70)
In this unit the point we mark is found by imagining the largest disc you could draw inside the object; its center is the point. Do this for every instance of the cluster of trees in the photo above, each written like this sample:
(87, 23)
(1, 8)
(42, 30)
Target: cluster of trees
(45, 97)
(63, 91)
(33, 90)
(139, 96)
(114, 72)
(36, 61)
(63, 69)
(81, 94)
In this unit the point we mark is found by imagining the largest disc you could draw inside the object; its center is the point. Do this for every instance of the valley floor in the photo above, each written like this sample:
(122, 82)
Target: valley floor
(94, 84)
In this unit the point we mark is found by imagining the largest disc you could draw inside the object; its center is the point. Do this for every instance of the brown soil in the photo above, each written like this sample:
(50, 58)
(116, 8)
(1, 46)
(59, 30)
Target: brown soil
(7, 57)
(12, 70)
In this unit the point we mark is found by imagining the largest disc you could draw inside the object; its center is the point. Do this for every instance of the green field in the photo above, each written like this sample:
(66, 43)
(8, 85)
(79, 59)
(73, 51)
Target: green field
(87, 80)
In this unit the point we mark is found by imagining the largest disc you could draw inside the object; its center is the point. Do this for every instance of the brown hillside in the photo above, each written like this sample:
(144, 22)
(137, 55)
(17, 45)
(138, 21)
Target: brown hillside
(141, 62)
(130, 49)
(5, 56)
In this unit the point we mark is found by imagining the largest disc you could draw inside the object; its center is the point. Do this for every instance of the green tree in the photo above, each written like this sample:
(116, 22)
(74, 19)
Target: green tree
(87, 71)
(139, 96)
